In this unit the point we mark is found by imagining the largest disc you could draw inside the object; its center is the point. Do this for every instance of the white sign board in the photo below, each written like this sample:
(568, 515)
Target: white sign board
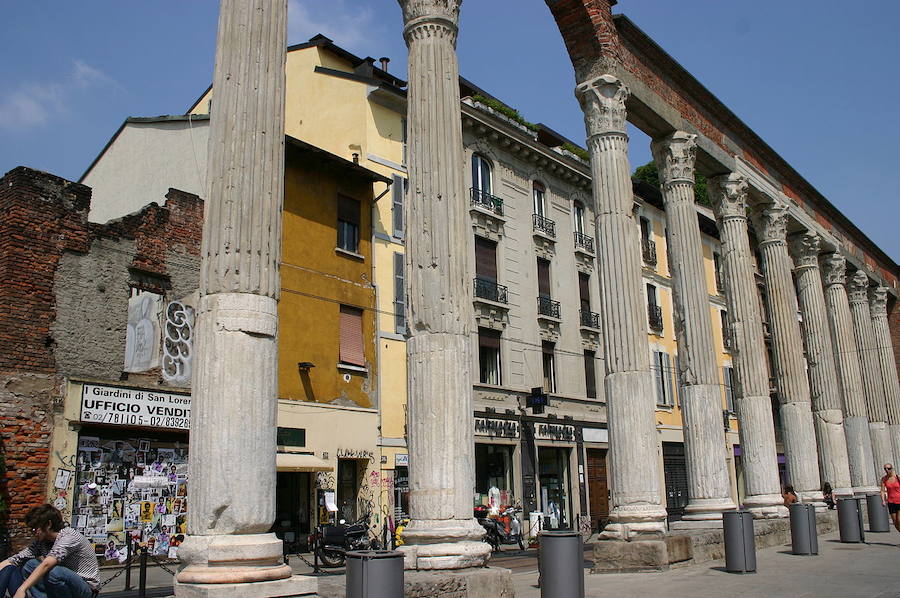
(134, 407)
(595, 434)
(401, 459)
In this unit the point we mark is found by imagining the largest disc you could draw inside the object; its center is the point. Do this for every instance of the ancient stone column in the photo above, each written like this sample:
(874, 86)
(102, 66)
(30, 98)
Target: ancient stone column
(884, 350)
(635, 507)
(856, 421)
(443, 534)
(234, 401)
(873, 386)
(790, 370)
(751, 389)
(828, 417)
(709, 486)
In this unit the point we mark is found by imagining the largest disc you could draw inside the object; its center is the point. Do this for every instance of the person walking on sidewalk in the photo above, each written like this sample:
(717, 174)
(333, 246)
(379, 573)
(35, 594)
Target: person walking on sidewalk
(59, 563)
(890, 493)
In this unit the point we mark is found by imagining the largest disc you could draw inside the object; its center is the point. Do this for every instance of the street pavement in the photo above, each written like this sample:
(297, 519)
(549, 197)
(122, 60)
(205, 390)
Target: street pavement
(869, 570)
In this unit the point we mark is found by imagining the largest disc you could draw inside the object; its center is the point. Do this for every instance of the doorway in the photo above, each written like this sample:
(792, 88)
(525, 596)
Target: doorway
(598, 488)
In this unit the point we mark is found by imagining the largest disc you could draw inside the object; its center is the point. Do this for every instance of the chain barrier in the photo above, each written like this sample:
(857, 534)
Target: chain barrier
(124, 568)
(162, 565)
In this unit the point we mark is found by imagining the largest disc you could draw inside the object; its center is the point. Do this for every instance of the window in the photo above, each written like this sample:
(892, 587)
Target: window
(543, 273)
(661, 365)
(678, 381)
(485, 259)
(590, 375)
(399, 294)
(347, 489)
(728, 379)
(538, 192)
(654, 311)
(481, 174)
(726, 333)
(403, 139)
(651, 295)
(547, 349)
(351, 337)
(645, 229)
(348, 224)
(578, 217)
(398, 194)
(584, 291)
(717, 271)
(489, 357)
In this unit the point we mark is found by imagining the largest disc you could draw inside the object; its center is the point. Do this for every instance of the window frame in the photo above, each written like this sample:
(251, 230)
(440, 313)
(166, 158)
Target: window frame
(479, 164)
(484, 375)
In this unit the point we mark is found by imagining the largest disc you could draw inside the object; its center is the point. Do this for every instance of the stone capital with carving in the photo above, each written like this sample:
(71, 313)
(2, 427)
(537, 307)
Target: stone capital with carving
(771, 223)
(675, 155)
(858, 289)
(729, 195)
(603, 101)
(834, 269)
(878, 301)
(422, 15)
(805, 249)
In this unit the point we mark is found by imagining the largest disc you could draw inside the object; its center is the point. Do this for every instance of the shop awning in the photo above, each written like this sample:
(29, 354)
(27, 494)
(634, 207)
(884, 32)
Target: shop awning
(299, 462)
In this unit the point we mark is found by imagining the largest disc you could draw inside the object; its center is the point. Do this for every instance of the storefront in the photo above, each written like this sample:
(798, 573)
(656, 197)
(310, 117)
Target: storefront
(556, 452)
(496, 452)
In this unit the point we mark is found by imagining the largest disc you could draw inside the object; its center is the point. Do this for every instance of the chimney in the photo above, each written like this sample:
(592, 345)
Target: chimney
(384, 60)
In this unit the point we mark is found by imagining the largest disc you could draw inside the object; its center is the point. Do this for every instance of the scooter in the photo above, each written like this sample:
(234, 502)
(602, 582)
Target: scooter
(331, 543)
(504, 528)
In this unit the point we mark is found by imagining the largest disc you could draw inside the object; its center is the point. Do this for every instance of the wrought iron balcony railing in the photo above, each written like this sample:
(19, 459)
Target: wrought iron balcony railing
(584, 241)
(485, 200)
(589, 318)
(648, 251)
(654, 313)
(727, 340)
(490, 290)
(720, 282)
(548, 307)
(544, 225)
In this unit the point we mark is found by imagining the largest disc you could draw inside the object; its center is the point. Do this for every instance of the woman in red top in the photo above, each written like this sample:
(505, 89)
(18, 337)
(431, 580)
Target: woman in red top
(890, 493)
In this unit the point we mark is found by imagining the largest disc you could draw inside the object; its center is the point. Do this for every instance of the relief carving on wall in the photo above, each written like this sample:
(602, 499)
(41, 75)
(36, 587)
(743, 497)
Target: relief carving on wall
(178, 343)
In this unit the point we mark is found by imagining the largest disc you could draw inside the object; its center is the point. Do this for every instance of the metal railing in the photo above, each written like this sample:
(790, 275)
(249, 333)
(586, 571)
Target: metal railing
(543, 224)
(648, 251)
(727, 340)
(490, 290)
(548, 307)
(483, 199)
(589, 318)
(654, 313)
(584, 241)
(720, 282)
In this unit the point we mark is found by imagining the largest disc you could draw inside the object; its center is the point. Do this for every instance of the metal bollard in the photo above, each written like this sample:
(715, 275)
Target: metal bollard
(375, 574)
(879, 521)
(849, 520)
(803, 529)
(129, 550)
(740, 543)
(561, 564)
(142, 574)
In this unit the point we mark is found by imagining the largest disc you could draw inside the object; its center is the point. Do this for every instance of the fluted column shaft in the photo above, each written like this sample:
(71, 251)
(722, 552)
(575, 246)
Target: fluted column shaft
(751, 389)
(856, 421)
(636, 501)
(884, 349)
(709, 486)
(443, 534)
(828, 417)
(790, 369)
(234, 395)
(873, 386)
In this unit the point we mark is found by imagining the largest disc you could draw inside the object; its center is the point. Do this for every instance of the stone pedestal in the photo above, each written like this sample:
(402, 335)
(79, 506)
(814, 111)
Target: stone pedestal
(293, 587)
(884, 351)
(709, 486)
(635, 556)
(481, 582)
(856, 423)
(635, 505)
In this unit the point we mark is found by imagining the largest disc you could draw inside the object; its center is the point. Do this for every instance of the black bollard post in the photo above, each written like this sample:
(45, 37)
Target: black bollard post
(375, 574)
(848, 520)
(740, 543)
(879, 520)
(561, 564)
(129, 550)
(803, 529)
(142, 574)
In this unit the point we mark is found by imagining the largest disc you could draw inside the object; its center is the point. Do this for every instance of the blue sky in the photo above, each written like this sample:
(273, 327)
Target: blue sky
(817, 80)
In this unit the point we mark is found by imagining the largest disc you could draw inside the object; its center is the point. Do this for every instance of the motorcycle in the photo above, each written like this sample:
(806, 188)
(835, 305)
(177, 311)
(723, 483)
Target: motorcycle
(504, 528)
(331, 543)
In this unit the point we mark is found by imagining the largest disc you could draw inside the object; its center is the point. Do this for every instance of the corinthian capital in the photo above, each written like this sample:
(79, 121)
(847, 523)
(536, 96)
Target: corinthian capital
(675, 155)
(771, 223)
(729, 195)
(878, 301)
(422, 18)
(805, 249)
(602, 100)
(858, 290)
(834, 268)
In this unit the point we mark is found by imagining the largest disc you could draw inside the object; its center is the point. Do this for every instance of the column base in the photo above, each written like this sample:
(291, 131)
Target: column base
(617, 556)
(291, 587)
(227, 559)
(842, 493)
(707, 509)
(766, 506)
(864, 491)
(444, 544)
(630, 522)
(813, 497)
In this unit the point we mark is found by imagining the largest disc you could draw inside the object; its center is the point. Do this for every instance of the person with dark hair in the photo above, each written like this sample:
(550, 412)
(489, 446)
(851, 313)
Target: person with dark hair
(60, 562)
(789, 496)
(828, 495)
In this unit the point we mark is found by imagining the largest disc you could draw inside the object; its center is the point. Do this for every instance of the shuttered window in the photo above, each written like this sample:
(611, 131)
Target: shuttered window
(584, 291)
(661, 364)
(549, 366)
(489, 357)
(728, 378)
(590, 376)
(485, 259)
(399, 294)
(543, 271)
(398, 193)
(352, 336)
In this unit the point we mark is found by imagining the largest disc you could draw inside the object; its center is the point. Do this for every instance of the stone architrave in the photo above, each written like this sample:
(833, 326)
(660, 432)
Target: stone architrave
(799, 438)
(873, 386)
(823, 383)
(752, 402)
(856, 421)
(709, 485)
(884, 350)
(443, 533)
(635, 509)
(228, 550)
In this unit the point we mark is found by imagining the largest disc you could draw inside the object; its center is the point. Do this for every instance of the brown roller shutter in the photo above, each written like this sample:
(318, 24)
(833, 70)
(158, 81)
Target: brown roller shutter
(488, 338)
(348, 209)
(584, 291)
(351, 336)
(543, 269)
(485, 259)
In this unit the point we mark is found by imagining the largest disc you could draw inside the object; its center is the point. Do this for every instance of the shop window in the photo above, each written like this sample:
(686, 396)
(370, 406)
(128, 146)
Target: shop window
(590, 375)
(348, 224)
(351, 337)
(549, 366)
(489, 357)
(399, 294)
(401, 493)
(348, 489)
(555, 486)
(493, 469)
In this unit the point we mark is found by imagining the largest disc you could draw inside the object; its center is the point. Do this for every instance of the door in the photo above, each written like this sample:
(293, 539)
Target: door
(675, 469)
(598, 488)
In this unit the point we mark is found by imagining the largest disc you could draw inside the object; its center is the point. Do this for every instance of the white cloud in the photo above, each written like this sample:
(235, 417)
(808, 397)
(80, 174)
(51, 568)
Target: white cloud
(33, 104)
(350, 26)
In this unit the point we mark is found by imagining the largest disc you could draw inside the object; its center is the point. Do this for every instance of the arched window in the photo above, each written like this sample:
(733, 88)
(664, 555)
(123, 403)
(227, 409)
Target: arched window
(538, 194)
(578, 216)
(481, 174)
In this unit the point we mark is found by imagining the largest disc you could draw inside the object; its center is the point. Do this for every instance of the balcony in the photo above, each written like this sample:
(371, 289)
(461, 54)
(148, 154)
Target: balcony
(648, 251)
(654, 314)
(543, 225)
(548, 307)
(490, 290)
(727, 340)
(582, 241)
(590, 319)
(484, 200)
